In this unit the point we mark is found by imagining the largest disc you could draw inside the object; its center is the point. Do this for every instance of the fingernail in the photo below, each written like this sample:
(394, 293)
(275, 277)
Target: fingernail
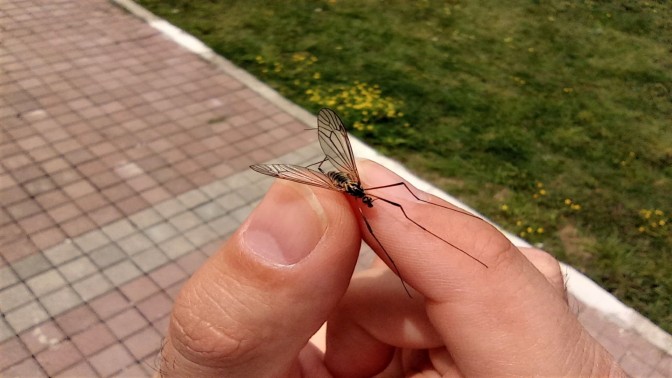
(286, 226)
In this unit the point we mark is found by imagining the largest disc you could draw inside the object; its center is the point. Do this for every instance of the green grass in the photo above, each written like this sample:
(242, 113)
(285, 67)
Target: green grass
(553, 118)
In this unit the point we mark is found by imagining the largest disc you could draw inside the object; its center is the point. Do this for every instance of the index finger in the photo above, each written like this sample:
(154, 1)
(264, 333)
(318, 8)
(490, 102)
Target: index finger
(507, 313)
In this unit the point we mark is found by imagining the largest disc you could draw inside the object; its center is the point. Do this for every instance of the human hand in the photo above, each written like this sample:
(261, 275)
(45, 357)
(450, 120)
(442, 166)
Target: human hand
(250, 310)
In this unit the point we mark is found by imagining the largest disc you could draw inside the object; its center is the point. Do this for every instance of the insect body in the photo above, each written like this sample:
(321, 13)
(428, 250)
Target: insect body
(335, 144)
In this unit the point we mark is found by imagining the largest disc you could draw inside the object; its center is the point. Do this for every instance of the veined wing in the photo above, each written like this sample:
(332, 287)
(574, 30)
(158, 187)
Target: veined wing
(335, 143)
(296, 173)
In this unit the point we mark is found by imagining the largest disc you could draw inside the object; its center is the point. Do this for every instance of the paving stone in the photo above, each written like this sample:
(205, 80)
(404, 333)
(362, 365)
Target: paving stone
(7, 277)
(107, 255)
(46, 282)
(149, 259)
(111, 360)
(5, 331)
(122, 272)
(215, 189)
(77, 269)
(225, 225)
(160, 232)
(31, 265)
(185, 221)
(242, 213)
(135, 243)
(63, 252)
(14, 296)
(119, 229)
(146, 218)
(59, 357)
(12, 352)
(126, 323)
(144, 343)
(27, 316)
(231, 201)
(26, 368)
(200, 235)
(192, 198)
(170, 208)
(176, 247)
(92, 286)
(60, 301)
(209, 210)
(91, 240)
(42, 337)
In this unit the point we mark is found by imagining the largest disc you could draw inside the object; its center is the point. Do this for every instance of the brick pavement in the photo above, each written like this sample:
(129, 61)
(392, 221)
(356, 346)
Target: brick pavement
(124, 165)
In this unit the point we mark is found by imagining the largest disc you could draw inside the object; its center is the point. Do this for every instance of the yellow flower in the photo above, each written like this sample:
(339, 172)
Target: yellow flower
(568, 201)
(505, 207)
(530, 230)
(641, 229)
(542, 192)
(540, 230)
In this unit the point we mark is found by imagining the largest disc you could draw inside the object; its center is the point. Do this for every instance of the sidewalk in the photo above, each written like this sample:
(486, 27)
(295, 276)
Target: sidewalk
(124, 166)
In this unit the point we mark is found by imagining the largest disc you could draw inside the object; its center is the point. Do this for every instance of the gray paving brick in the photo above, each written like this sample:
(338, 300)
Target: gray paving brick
(209, 210)
(242, 213)
(160, 232)
(27, 316)
(77, 269)
(135, 243)
(60, 301)
(92, 286)
(122, 272)
(170, 207)
(201, 235)
(192, 198)
(215, 189)
(91, 240)
(176, 247)
(107, 255)
(149, 259)
(7, 277)
(31, 265)
(231, 201)
(225, 225)
(46, 282)
(185, 221)
(63, 252)
(119, 229)
(14, 296)
(146, 218)
(239, 180)
(5, 331)
(251, 193)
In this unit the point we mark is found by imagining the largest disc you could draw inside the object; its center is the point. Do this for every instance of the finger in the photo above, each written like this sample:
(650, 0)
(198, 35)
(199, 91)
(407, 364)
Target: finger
(548, 266)
(503, 319)
(250, 310)
(372, 319)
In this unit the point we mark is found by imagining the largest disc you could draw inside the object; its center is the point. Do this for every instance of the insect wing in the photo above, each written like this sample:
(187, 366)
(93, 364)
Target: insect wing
(335, 143)
(296, 173)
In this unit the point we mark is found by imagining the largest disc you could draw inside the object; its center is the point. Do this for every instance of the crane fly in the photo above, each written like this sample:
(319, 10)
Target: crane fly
(335, 144)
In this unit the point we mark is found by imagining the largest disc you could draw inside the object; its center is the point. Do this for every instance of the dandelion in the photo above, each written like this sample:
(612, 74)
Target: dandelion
(505, 207)
(568, 89)
(568, 201)
(540, 230)
(317, 76)
(542, 192)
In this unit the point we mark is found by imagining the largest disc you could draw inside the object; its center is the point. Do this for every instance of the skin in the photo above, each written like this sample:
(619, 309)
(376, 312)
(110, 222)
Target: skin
(252, 307)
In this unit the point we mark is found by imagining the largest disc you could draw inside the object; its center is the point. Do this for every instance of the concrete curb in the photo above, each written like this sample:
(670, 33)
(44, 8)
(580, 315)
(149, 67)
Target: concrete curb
(580, 286)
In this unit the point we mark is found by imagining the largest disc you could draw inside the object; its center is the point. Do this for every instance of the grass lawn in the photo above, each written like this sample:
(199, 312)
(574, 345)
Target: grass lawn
(553, 118)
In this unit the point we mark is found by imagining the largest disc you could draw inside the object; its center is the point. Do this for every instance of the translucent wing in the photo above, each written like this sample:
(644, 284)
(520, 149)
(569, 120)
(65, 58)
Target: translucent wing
(335, 143)
(296, 173)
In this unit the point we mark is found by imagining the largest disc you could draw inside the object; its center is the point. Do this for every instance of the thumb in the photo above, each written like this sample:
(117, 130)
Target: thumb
(251, 308)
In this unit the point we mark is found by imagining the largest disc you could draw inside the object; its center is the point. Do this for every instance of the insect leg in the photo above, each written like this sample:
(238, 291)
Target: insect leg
(368, 226)
(319, 164)
(421, 200)
(423, 228)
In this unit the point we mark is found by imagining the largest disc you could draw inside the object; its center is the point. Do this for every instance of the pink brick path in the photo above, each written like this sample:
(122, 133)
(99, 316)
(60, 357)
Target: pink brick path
(124, 165)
